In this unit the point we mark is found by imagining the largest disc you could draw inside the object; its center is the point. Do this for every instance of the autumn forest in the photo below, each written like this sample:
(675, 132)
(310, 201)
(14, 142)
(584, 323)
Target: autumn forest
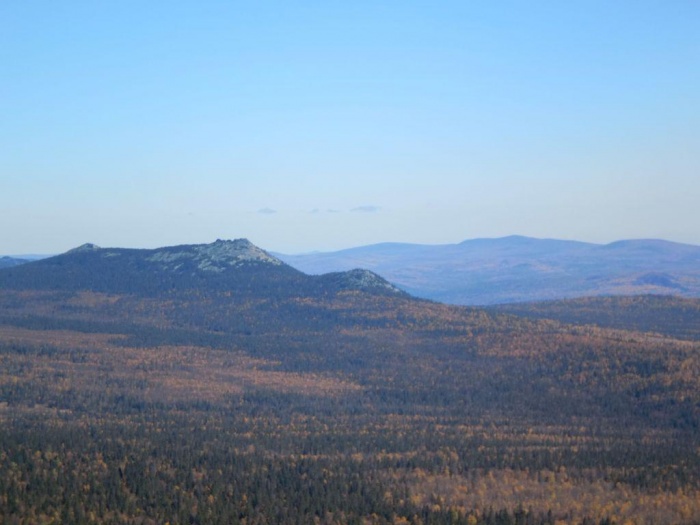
(263, 396)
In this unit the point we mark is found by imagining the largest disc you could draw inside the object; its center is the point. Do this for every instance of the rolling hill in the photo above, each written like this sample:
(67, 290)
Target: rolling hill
(670, 316)
(8, 262)
(521, 269)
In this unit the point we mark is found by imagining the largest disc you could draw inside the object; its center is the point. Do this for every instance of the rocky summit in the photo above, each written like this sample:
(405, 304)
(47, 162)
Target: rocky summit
(214, 257)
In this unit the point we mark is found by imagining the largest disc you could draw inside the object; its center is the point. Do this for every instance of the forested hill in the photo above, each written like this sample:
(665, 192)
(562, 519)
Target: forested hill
(235, 266)
(8, 262)
(677, 317)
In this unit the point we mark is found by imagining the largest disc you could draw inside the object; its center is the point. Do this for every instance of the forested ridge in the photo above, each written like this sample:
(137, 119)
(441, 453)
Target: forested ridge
(334, 402)
(664, 314)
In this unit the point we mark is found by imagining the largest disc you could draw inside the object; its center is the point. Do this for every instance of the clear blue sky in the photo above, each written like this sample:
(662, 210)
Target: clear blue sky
(328, 124)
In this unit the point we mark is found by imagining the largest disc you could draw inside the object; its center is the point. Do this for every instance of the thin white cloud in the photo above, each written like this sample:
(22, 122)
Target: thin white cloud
(366, 209)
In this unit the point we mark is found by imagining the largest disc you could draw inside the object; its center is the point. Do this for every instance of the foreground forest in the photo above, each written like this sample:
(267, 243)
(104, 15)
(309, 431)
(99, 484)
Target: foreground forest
(330, 402)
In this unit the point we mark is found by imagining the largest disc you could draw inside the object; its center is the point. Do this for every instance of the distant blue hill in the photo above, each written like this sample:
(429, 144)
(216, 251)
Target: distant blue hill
(9, 262)
(516, 269)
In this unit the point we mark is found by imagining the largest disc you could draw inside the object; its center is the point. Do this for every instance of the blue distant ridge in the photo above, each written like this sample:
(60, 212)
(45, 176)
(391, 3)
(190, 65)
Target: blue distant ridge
(517, 269)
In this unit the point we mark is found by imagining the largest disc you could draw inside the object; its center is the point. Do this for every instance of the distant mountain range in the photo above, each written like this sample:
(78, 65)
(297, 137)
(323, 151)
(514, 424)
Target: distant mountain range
(518, 269)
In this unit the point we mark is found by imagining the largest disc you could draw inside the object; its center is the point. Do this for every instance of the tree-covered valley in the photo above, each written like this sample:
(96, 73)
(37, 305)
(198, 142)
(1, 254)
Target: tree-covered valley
(214, 384)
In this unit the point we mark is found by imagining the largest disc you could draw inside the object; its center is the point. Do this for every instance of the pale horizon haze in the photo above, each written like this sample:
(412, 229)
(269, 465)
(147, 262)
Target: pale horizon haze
(325, 125)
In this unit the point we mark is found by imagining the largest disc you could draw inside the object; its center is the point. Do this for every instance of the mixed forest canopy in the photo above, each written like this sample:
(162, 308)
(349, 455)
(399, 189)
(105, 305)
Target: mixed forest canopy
(215, 384)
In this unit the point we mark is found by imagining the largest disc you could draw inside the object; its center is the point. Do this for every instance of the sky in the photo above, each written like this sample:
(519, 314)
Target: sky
(325, 125)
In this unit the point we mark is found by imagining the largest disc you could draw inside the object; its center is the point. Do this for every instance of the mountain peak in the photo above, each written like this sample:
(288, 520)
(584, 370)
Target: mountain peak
(233, 253)
(87, 247)
(359, 279)
(214, 257)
